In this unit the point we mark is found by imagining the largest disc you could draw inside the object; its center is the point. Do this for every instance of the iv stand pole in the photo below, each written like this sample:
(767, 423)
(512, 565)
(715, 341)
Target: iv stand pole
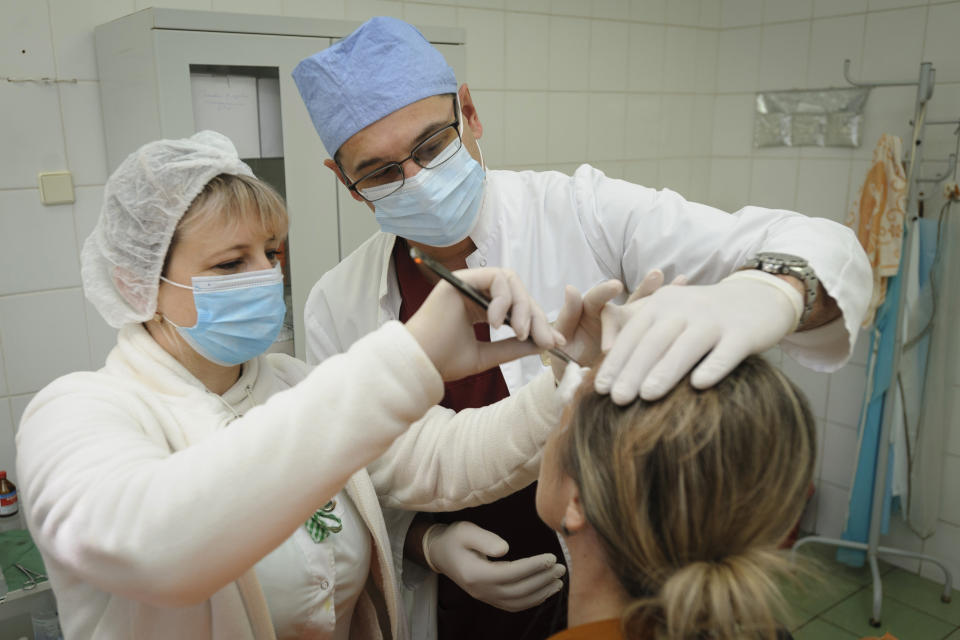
(872, 547)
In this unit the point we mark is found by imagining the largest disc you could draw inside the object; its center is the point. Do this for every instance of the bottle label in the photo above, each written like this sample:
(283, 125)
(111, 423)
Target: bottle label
(8, 504)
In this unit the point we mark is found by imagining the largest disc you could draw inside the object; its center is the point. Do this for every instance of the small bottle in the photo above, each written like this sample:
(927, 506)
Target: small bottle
(9, 505)
(43, 617)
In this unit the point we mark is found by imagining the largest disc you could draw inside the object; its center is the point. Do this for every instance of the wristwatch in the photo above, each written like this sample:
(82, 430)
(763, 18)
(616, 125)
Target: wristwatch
(789, 265)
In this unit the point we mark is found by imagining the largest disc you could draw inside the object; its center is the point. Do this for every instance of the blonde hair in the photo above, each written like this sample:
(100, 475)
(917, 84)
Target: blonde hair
(690, 496)
(234, 199)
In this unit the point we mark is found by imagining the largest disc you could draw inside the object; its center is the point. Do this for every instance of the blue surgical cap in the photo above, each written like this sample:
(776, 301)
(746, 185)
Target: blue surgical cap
(383, 66)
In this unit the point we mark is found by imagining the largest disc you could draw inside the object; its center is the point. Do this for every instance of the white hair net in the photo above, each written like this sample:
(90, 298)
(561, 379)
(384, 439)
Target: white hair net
(143, 201)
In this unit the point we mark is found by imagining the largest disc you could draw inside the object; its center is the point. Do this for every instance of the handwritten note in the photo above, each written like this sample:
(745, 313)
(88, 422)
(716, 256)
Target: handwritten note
(228, 104)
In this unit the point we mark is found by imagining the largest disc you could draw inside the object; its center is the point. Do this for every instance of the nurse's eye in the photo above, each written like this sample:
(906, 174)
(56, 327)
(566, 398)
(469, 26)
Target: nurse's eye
(273, 256)
(232, 265)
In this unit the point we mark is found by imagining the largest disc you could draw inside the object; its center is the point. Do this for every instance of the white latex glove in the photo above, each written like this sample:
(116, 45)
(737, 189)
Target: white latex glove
(580, 320)
(653, 342)
(579, 323)
(461, 552)
(443, 325)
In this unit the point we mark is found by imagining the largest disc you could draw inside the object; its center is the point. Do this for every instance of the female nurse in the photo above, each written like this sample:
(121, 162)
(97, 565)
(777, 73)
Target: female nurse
(196, 488)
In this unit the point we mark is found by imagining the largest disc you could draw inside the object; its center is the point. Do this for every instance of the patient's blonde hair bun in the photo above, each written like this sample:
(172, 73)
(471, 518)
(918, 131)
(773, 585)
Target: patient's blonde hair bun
(692, 494)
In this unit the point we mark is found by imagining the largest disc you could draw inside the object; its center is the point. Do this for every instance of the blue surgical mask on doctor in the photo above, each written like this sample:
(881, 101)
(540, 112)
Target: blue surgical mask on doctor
(238, 315)
(439, 205)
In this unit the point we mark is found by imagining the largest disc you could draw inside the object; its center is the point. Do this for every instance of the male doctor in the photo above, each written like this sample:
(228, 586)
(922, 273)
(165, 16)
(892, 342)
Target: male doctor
(404, 138)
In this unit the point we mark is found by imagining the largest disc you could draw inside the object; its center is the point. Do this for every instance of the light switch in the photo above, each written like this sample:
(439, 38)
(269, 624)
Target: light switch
(56, 187)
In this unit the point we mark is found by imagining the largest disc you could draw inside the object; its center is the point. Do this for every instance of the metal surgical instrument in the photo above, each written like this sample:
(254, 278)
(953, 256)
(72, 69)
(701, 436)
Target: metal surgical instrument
(33, 577)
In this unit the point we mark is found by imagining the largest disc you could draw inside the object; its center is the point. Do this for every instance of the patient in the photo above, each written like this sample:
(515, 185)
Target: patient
(672, 510)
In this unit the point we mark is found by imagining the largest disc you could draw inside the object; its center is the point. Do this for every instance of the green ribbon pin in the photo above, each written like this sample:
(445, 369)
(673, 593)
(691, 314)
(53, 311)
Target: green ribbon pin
(323, 522)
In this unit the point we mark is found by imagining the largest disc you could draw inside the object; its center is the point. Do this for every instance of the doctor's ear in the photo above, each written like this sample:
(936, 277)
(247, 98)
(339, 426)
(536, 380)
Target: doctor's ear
(330, 164)
(470, 116)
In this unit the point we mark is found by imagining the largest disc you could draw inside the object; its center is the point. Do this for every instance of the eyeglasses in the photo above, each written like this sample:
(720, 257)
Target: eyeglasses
(439, 147)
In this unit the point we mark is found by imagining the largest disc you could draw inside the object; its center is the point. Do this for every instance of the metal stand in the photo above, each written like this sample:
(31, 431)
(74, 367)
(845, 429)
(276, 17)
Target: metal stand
(872, 547)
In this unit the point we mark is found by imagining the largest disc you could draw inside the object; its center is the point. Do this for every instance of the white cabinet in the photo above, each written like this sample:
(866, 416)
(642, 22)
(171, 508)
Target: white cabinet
(145, 62)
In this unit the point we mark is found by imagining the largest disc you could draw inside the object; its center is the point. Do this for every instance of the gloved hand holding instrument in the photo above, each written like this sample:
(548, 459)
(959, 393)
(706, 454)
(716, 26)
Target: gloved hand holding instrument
(462, 551)
(526, 319)
(445, 331)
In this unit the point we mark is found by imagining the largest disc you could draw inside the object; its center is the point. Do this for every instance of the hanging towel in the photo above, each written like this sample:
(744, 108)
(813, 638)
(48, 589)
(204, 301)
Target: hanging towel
(880, 368)
(878, 214)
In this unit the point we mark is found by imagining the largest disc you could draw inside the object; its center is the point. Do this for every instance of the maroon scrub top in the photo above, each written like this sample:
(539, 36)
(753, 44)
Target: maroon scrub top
(514, 518)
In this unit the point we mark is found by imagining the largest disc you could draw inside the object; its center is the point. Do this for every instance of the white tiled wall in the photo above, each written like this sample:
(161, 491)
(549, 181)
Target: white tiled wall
(655, 91)
(787, 44)
(580, 81)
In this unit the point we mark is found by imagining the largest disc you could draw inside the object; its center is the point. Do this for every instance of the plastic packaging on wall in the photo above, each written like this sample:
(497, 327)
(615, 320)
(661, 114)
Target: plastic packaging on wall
(822, 118)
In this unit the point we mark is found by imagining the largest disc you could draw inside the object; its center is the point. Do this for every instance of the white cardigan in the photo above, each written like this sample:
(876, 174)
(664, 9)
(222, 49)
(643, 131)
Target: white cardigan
(150, 514)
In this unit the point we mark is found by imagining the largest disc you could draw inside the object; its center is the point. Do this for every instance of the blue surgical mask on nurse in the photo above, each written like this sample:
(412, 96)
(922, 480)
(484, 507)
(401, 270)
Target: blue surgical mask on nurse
(238, 315)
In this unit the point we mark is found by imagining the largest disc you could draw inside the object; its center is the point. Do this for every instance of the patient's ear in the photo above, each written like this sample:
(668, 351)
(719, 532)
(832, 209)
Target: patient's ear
(574, 517)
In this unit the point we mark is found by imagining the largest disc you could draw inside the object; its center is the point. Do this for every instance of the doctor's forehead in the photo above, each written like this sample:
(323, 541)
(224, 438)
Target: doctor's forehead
(393, 136)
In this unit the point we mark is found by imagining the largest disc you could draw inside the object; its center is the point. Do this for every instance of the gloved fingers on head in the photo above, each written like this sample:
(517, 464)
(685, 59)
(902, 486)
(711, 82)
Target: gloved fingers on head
(679, 359)
(621, 332)
(729, 352)
(646, 353)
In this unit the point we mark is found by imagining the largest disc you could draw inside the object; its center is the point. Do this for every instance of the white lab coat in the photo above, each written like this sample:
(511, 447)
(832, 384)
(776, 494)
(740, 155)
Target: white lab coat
(553, 230)
(150, 501)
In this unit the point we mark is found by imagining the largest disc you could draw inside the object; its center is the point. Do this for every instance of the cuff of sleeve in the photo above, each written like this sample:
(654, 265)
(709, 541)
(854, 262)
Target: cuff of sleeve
(796, 300)
(825, 348)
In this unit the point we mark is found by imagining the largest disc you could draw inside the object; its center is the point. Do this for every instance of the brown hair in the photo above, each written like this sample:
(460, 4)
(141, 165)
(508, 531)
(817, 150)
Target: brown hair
(690, 496)
(236, 199)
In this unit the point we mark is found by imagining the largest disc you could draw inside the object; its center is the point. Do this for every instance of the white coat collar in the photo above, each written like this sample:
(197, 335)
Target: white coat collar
(138, 355)
(389, 290)
(486, 232)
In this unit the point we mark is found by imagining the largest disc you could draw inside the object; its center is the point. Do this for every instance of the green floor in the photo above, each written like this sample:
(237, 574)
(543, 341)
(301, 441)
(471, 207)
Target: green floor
(837, 604)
